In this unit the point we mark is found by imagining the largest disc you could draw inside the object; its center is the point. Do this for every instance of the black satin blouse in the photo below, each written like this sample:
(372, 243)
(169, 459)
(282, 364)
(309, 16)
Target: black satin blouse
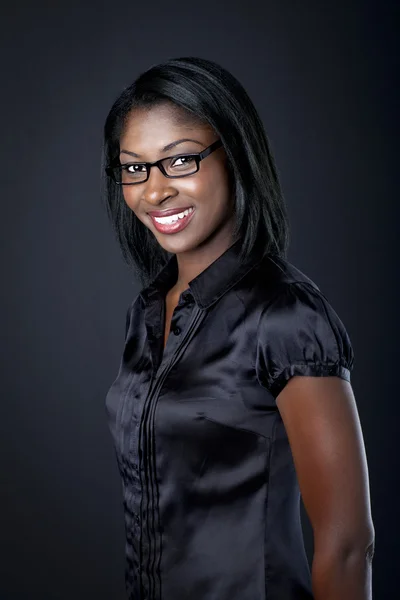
(210, 494)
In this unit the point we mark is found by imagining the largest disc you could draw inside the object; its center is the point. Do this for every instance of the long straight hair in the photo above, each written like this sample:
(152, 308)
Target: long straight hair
(210, 95)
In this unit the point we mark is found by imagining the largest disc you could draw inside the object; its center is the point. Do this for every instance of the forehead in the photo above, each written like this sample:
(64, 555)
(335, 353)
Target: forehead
(157, 126)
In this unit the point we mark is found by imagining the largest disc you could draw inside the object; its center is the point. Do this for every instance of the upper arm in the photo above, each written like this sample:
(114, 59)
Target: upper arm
(304, 359)
(324, 432)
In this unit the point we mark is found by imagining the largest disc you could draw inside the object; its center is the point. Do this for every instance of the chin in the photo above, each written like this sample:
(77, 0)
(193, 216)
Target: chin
(172, 244)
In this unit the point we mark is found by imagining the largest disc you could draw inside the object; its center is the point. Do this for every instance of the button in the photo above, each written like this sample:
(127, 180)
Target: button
(177, 330)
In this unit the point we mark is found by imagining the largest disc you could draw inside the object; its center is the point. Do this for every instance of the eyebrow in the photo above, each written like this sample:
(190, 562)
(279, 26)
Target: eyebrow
(166, 148)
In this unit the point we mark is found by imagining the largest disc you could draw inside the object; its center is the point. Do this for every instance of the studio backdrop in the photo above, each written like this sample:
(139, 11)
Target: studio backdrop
(322, 78)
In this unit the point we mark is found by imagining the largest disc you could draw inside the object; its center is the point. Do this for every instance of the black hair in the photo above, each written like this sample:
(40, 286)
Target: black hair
(210, 95)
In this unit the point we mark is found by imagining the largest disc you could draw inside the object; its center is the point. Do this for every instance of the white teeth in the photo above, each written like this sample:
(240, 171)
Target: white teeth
(173, 218)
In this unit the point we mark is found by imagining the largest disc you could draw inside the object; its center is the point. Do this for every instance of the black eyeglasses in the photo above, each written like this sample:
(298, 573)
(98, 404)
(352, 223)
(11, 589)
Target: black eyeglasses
(180, 165)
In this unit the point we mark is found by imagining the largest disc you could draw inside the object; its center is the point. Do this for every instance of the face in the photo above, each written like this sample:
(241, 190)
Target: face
(207, 192)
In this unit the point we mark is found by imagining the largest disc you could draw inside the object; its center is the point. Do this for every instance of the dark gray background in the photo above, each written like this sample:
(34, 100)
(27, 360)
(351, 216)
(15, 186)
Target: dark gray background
(322, 77)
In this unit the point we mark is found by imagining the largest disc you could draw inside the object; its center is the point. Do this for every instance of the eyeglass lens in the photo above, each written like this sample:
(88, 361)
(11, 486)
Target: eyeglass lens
(176, 166)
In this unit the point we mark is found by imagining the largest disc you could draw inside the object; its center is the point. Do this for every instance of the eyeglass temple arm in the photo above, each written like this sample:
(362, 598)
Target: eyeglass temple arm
(210, 149)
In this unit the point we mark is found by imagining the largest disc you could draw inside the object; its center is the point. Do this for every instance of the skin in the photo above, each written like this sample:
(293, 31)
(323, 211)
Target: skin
(324, 431)
(319, 413)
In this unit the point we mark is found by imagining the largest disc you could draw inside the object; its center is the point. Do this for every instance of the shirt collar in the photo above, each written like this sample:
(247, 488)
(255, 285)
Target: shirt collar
(212, 283)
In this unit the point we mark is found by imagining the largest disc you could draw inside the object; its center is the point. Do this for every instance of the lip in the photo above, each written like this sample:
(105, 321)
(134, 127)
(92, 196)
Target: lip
(173, 227)
(169, 212)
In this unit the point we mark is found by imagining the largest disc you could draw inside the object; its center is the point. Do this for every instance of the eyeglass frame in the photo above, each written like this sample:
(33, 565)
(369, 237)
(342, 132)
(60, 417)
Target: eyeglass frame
(198, 157)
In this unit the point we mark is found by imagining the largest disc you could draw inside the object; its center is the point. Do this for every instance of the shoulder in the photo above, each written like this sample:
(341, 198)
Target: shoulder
(299, 331)
(275, 273)
(285, 288)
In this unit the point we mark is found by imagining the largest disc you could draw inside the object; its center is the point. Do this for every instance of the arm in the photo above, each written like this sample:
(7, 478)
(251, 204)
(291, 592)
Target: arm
(324, 432)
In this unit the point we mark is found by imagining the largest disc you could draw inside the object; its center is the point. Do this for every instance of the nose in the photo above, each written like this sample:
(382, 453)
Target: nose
(157, 187)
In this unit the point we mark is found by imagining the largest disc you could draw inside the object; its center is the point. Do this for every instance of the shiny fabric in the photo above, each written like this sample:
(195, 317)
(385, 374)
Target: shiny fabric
(210, 493)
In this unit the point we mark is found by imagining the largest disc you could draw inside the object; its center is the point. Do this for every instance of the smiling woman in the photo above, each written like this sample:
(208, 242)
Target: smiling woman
(200, 184)
(233, 395)
(182, 107)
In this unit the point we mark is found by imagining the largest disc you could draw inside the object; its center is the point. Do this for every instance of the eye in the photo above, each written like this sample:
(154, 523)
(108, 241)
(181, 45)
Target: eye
(182, 162)
(134, 168)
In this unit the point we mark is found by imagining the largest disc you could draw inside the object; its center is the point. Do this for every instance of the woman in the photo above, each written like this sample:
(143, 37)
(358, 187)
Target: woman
(233, 394)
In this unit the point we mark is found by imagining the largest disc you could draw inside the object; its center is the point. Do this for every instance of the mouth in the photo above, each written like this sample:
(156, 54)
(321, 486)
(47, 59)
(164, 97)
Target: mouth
(173, 223)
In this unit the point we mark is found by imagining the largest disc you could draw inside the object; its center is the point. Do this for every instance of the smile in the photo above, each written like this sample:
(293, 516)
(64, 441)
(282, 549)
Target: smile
(173, 223)
(173, 218)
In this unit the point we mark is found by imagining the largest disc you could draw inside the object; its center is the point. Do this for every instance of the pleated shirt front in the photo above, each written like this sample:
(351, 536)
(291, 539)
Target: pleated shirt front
(210, 493)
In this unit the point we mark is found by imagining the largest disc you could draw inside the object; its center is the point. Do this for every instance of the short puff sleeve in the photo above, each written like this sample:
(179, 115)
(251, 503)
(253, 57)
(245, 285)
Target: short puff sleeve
(299, 333)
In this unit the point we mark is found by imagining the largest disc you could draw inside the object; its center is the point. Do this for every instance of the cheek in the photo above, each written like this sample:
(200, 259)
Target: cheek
(211, 186)
(195, 187)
